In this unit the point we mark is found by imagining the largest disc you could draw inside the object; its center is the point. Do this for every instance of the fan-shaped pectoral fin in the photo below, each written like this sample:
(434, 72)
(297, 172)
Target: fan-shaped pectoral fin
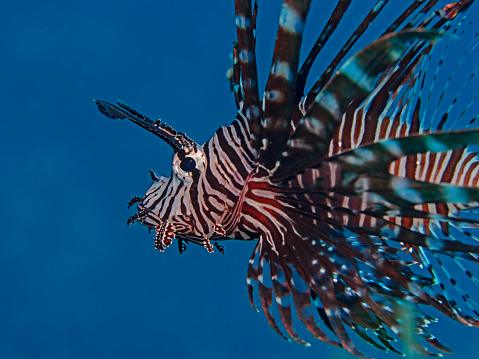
(286, 267)
(364, 172)
(378, 155)
(356, 79)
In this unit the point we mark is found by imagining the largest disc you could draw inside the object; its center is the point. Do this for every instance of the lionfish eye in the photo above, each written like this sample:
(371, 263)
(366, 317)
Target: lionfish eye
(188, 164)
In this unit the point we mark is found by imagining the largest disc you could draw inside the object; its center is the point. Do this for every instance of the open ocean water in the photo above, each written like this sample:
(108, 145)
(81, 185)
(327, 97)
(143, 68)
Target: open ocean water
(75, 282)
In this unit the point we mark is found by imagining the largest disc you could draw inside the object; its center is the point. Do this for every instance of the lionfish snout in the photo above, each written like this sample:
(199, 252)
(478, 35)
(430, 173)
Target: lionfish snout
(140, 215)
(145, 204)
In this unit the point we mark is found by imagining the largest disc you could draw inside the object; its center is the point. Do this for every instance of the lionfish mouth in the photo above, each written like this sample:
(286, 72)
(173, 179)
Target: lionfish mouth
(137, 217)
(166, 231)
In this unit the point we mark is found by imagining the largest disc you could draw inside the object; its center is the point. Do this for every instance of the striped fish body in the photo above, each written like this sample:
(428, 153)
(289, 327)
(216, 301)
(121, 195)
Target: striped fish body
(352, 190)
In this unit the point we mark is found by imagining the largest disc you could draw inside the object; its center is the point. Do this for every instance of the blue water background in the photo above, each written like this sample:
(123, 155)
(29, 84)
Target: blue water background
(75, 282)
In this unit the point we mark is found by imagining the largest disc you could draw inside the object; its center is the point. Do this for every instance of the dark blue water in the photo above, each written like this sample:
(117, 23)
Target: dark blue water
(75, 282)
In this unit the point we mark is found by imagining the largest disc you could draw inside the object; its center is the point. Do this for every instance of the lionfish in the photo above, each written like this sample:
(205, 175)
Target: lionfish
(358, 202)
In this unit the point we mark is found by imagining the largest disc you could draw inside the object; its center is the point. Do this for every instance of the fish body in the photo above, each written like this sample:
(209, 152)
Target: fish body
(352, 197)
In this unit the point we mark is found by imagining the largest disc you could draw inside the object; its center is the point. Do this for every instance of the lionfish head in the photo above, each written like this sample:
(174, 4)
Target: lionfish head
(163, 207)
(163, 200)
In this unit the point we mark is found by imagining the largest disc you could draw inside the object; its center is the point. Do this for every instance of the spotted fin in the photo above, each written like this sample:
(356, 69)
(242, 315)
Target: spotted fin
(355, 80)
